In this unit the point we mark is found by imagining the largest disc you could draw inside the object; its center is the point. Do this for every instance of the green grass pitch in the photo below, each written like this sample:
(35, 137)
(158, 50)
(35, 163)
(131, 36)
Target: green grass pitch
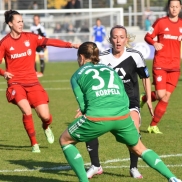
(19, 164)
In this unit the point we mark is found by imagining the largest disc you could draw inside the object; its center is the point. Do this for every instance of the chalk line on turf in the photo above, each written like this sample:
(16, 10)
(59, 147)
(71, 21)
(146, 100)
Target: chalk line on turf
(63, 168)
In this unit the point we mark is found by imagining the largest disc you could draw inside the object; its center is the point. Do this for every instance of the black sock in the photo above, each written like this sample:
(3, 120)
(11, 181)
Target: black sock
(42, 65)
(93, 147)
(133, 160)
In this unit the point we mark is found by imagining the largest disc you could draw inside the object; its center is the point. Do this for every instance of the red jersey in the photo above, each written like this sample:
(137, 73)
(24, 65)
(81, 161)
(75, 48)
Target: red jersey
(19, 55)
(170, 35)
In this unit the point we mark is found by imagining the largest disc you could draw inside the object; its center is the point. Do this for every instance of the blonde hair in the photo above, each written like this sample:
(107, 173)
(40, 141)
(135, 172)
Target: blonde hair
(130, 37)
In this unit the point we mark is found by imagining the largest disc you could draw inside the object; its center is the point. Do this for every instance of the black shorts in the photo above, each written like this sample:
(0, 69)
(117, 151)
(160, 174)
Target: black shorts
(134, 104)
(40, 49)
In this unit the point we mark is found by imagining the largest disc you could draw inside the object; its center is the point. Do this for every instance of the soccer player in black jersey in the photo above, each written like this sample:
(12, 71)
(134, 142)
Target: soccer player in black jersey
(37, 28)
(128, 63)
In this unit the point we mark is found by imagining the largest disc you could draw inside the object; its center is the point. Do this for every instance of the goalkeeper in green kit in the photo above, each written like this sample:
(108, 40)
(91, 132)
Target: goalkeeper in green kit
(103, 105)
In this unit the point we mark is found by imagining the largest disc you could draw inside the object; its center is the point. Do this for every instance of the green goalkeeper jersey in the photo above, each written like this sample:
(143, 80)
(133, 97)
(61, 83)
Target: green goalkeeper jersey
(99, 91)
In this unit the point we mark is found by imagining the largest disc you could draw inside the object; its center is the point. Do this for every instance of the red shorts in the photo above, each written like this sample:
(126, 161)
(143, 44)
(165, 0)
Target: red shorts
(35, 94)
(165, 80)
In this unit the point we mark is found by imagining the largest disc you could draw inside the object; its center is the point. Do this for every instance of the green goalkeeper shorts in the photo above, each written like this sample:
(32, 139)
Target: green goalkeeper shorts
(84, 130)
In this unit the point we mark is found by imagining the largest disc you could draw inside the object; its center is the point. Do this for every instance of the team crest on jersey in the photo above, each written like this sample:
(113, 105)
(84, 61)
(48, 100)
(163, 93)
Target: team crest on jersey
(29, 52)
(27, 43)
(159, 78)
(180, 29)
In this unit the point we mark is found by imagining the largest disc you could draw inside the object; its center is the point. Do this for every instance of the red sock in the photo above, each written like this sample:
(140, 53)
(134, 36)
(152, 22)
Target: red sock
(29, 127)
(45, 124)
(159, 111)
(153, 97)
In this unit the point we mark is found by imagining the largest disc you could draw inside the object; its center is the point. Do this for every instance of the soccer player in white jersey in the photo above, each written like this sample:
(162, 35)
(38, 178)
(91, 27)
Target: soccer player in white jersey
(128, 63)
(38, 29)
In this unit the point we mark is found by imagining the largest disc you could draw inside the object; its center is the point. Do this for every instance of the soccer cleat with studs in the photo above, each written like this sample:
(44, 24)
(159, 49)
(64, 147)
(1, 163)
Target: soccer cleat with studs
(93, 170)
(49, 135)
(154, 129)
(174, 179)
(135, 173)
(35, 148)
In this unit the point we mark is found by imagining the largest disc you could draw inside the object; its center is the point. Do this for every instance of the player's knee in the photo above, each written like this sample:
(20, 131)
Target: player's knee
(62, 140)
(46, 117)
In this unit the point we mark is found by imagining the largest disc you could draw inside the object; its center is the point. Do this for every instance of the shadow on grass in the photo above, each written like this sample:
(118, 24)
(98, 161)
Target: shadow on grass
(114, 174)
(13, 178)
(14, 147)
(144, 131)
(44, 167)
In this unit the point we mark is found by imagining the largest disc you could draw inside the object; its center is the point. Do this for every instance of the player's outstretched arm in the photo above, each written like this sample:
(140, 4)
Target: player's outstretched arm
(76, 46)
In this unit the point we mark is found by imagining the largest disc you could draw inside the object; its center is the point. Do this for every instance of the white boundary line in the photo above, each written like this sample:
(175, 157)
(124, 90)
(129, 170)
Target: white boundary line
(64, 88)
(62, 168)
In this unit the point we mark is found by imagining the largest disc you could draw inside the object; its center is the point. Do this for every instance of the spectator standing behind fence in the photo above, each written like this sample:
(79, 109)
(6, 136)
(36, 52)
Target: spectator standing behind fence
(99, 34)
(38, 29)
(147, 19)
(58, 28)
(73, 4)
(34, 5)
(147, 24)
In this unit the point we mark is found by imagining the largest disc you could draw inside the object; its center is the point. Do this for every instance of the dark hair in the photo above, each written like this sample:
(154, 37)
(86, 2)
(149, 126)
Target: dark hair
(117, 26)
(172, 0)
(36, 15)
(9, 15)
(90, 51)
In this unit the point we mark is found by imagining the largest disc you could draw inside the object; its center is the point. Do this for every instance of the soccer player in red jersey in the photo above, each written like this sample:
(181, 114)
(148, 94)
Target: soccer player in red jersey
(166, 64)
(24, 90)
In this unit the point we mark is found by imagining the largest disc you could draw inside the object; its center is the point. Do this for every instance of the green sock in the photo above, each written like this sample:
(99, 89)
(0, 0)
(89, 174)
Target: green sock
(154, 161)
(75, 160)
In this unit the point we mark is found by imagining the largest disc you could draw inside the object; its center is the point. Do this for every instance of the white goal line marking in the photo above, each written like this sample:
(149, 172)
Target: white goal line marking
(62, 168)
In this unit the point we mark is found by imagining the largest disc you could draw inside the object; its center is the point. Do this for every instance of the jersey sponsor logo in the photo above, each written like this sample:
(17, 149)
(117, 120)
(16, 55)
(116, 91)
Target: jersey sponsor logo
(166, 29)
(151, 29)
(23, 54)
(11, 48)
(14, 56)
(122, 71)
(126, 81)
(27, 43)
(159, 78)
(173, 37)
(107, 92)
